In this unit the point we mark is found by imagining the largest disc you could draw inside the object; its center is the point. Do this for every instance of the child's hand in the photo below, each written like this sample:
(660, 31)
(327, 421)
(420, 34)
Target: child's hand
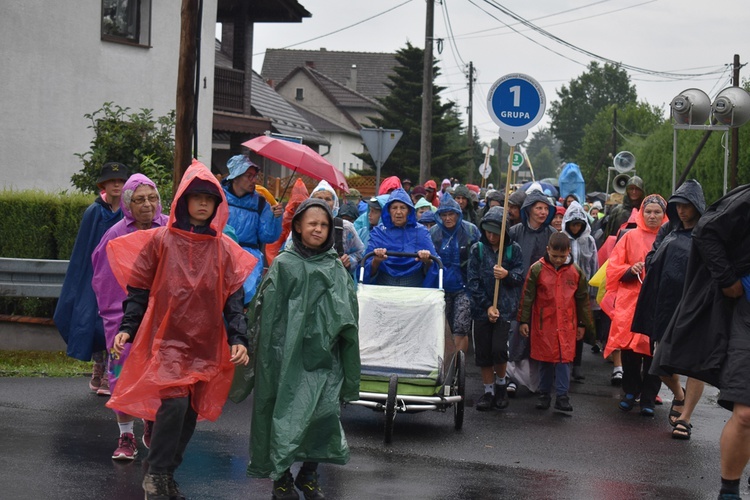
(581, 332)
(493, 314)
(499, 272)
(523, 329)
(120, 340)
(239, 355)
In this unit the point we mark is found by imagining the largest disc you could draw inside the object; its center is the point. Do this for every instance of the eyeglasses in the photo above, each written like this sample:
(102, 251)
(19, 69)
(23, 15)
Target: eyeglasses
(153, 199)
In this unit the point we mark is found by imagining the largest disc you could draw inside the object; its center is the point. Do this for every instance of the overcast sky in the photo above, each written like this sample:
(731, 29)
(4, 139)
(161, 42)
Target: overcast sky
(696, 37)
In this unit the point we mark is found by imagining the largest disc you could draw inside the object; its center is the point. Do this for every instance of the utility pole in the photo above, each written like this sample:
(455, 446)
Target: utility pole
(185, 109)
(470, 131)
(734, 152)
(425, 152)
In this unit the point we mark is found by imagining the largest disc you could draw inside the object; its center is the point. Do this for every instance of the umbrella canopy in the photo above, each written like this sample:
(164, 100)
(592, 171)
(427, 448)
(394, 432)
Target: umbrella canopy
(545, 187)
(299, 158)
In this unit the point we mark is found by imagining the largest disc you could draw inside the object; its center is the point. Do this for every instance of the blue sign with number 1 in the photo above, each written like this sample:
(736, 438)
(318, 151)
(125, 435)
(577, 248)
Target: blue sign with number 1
(516, 102)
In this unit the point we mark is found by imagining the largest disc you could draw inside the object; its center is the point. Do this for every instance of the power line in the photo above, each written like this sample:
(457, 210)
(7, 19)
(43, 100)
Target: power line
(451, 37)
(342, 29)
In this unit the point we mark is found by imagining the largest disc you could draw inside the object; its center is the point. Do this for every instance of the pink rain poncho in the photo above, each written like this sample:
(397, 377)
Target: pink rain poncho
(181, 346)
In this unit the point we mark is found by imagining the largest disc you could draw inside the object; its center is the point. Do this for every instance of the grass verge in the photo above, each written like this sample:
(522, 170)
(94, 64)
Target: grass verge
(41, 364)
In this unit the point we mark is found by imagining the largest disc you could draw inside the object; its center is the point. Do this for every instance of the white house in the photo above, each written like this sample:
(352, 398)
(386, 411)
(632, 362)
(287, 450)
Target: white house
(61, 60)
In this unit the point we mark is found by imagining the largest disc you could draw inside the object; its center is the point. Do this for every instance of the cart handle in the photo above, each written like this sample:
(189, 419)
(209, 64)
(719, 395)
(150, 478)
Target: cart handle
(434, 259)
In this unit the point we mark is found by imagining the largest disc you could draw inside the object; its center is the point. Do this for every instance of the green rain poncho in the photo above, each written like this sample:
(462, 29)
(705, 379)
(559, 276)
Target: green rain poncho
(304, 327)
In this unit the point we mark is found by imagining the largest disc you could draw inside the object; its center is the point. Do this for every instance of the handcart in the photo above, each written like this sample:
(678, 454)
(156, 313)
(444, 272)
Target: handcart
(402, 351)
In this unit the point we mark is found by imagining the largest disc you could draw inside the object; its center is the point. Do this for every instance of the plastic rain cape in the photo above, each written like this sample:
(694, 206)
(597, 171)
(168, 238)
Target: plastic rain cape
(181, 346)
(304, 324)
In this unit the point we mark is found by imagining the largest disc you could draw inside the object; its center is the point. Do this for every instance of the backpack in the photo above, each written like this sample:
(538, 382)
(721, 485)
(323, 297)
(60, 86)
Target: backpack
(338, 235)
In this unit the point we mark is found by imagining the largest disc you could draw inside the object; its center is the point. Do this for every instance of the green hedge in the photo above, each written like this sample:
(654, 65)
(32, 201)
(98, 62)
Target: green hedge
(38, 225)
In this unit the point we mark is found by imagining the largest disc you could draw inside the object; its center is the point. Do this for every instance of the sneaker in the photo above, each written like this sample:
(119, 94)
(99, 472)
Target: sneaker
(103, 389)
(617, 376)
(126, 448)
(156, 486)
(500, 400)
(283, 488)
(97, 374)
(307, 482)
(174, 490)
(485, 402)
(148, 427)
(596, 348)
(562, 403)
(510, 390)
(658, 400)
(544, 401)
(729, 496)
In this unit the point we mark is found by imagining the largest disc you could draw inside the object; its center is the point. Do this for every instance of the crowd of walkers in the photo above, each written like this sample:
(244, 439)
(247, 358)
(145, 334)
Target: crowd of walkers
(234, 293)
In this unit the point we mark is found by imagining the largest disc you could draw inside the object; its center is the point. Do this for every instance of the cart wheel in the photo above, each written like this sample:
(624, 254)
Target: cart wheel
(390, 408)
(459, 389)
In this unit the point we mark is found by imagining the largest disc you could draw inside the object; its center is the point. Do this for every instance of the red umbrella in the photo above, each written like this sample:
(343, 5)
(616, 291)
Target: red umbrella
(299, 158)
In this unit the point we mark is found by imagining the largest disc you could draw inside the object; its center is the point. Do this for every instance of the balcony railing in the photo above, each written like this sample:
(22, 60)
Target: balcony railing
(229, 91)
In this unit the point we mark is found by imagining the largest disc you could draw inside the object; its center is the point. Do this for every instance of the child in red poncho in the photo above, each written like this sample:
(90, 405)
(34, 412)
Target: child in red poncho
(184, 282)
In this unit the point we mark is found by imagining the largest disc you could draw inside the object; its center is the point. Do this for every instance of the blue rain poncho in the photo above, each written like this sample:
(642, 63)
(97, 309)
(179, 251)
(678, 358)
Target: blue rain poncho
(453, 245)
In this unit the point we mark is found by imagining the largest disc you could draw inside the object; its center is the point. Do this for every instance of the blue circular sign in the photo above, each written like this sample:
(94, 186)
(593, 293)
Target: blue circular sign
(516, 102)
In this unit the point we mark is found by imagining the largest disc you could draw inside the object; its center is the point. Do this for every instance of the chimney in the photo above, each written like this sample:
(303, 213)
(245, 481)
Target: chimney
(353, 77)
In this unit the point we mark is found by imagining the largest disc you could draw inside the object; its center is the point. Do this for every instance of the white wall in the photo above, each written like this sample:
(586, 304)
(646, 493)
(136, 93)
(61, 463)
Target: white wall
(343, 147)
(55, 69)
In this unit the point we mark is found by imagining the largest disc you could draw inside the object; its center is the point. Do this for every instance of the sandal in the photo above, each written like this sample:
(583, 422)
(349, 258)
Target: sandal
(675, 415)
(682, 430)
(627, 402)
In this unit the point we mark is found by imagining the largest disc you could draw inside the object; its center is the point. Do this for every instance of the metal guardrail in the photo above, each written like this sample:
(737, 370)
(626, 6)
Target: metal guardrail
(32, 277)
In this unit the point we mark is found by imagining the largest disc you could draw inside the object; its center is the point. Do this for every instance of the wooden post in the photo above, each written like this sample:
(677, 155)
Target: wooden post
(185, 108)
(505, 221)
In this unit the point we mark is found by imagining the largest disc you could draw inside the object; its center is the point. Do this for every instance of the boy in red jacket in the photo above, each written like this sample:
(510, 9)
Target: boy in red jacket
(555, 308)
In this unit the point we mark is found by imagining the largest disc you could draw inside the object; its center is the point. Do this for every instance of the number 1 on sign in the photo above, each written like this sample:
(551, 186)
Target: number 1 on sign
(516, 91)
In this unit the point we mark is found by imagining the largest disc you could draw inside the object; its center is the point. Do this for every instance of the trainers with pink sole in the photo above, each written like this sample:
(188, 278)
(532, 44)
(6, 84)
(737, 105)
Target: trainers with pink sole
(126, 448)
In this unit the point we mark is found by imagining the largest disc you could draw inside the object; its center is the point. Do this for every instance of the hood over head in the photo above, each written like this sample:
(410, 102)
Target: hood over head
(689, 192)
(296, 237)
(133, 182)
(424, 203)
(325, 186)
(448, 204)
(517, 198)
(389, 184)
(199, 179)
(402, 196)
(576, 213)
(492, 221)
(428, 217)
(493, 195)
(532, 198)
(461, 190)
(430, 185)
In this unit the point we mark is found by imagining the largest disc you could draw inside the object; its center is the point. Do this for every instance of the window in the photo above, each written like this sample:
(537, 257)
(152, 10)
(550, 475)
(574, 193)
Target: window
(127, 21)
(300, 94)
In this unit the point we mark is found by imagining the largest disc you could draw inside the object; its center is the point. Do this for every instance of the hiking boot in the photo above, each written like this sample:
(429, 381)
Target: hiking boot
(283, 488)
(126, 448)
(562, 403)
(544, 401)
(174, 490)
(97, 374)
(307, 482)
(103, 389)
(500, 401)
(485, 402)
(156, 486)
(148, 427)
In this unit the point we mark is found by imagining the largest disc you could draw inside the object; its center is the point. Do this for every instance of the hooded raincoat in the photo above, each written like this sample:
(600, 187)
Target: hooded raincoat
(109, 294)
(299, 194)
(409, 238)
(76, 315)
(554, 302)
(621, 213)
(254, 223)
(631, 248)
(362, 224)
(665, 266)
(533, 242)
(389, 184)
(453, 245)
(469, 214)
(304, 325)
(436, 197)
(480, 277)
(582, 245)
(697, 337)
(180, 348)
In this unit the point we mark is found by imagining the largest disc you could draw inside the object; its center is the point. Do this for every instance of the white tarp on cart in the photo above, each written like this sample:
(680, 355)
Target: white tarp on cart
(401, 330)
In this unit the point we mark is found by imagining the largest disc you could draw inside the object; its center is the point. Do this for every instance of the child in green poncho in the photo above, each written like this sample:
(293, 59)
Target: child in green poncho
(306, 359)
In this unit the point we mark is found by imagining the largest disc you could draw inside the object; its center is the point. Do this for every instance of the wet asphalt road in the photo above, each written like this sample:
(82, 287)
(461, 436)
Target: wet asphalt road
(56, 439)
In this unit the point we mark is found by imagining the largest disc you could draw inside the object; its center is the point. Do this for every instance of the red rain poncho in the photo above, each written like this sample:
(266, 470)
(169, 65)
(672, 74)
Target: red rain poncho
(632, 248)
(181, 346)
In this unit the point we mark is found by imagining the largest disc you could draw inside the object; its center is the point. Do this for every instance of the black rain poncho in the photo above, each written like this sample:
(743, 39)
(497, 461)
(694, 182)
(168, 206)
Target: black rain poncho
(304, 325)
